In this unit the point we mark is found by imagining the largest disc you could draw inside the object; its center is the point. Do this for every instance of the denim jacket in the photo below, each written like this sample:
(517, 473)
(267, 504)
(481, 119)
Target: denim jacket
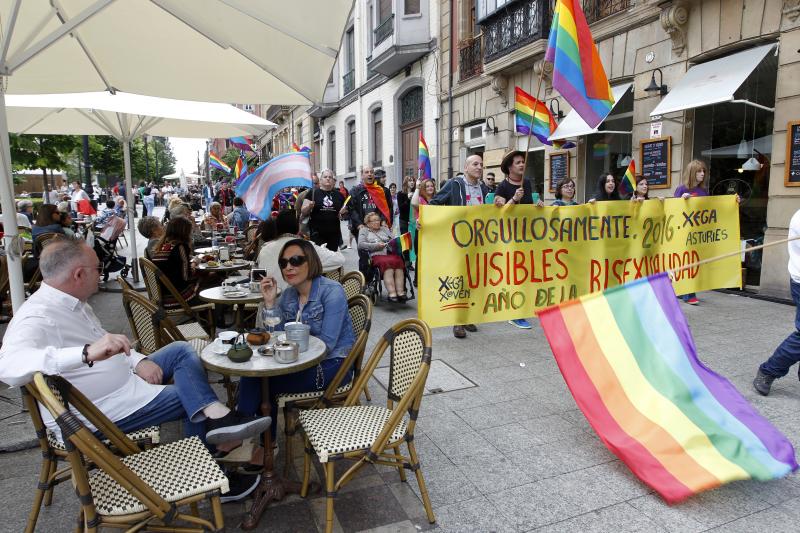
(326, 312)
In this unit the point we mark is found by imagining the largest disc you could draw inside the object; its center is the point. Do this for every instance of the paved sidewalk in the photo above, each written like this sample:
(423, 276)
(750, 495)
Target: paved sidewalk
(512, 453)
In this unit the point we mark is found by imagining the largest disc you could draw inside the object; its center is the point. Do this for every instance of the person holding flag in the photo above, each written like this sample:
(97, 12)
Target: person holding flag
(322, 206)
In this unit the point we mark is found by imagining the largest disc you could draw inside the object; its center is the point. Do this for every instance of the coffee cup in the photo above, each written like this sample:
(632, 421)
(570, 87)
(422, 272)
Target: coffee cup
(299, 333)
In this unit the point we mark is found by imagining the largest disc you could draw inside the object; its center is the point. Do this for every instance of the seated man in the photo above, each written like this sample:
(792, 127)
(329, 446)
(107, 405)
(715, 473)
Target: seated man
(107, 212)
(57, 333)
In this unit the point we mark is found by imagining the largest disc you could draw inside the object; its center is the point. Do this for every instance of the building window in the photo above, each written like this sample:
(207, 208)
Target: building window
(332, 150)
(385, 26)
(377, 138)
(349, 78)
(411, 106)
(411, 7)
(351, 146)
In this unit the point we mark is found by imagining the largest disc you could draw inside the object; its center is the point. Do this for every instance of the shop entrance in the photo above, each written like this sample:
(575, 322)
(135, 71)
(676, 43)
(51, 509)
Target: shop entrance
(735, 141)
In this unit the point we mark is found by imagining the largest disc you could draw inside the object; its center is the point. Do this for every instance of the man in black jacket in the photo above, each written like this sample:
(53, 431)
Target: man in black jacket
(467, 190)
(363, 203)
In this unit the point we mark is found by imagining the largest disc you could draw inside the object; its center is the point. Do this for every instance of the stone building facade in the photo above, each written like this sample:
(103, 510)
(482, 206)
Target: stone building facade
(749, 51)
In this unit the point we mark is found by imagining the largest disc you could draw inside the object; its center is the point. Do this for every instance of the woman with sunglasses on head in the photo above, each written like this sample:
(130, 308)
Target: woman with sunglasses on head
(565, 193)
(322, 305)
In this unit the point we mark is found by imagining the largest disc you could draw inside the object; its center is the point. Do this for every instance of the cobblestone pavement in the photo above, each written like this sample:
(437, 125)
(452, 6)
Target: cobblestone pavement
(511, 453)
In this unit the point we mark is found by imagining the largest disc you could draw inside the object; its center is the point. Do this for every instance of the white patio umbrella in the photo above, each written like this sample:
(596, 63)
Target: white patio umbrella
(244, 51)
(126, 117)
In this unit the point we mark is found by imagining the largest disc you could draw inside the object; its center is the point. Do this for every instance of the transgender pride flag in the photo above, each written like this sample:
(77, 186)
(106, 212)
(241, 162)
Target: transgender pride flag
(260, 187)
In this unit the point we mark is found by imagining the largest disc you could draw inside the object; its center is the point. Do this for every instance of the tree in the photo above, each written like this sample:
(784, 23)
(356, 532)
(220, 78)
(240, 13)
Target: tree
(42, 152)
(229, 158)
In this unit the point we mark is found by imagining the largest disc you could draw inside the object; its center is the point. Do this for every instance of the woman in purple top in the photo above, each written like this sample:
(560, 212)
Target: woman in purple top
(694, 184)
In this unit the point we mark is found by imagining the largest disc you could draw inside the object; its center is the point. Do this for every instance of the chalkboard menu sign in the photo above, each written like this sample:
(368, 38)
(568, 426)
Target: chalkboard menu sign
(791, 176)
(656, 155)
(559, 168)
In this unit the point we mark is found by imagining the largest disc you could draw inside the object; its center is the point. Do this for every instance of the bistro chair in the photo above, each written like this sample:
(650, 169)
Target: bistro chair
(353, 283)
(142, 489)
(199, 317)
(54, 450)
(370, 434)
(360, 309)
(335, 275)
(41, 241)
(33, 284)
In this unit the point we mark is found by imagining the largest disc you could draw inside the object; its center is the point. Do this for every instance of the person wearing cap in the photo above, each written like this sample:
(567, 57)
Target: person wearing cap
(515, 189)
(465, 190)
(24, 213)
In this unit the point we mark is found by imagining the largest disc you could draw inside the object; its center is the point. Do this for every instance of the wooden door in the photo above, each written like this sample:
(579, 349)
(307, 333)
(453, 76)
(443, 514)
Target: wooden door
(410, 136)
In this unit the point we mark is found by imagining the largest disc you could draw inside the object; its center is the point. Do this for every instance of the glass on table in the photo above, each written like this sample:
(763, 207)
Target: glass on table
(271, 318)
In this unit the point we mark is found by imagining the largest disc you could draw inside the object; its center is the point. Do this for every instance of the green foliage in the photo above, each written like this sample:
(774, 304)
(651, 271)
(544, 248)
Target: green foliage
(229, 158)
(33, 152)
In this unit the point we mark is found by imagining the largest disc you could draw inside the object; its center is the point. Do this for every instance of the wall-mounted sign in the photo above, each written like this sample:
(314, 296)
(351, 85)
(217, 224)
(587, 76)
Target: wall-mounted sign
(791, 173)
(656, 128)
(559, 168)
(656, 155)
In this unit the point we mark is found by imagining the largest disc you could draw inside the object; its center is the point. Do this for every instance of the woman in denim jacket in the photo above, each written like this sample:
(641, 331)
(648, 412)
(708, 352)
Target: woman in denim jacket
(324, 309)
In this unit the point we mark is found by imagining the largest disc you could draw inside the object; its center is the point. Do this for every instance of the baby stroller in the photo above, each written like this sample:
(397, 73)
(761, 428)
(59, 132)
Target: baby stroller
(374, 287)
(105, 246)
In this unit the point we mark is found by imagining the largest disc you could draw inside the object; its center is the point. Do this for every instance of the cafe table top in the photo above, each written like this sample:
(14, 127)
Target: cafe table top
(261, 365)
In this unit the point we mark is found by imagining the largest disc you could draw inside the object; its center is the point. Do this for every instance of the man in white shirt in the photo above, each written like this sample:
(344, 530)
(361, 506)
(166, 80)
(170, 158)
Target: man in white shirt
(78, 194)
(56, 332)
(788, 353)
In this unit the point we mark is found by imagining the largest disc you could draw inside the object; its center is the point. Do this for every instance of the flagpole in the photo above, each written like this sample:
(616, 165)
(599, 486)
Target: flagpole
(533, 117)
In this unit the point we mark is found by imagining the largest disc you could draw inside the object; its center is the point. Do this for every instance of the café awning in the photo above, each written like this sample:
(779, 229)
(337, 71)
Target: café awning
(713, 82)
(574, 126)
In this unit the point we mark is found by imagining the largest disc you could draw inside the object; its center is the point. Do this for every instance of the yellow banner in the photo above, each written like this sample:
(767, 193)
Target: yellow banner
(486, 264)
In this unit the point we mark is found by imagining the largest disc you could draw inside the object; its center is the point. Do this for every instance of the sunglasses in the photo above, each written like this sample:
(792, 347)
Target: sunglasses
(295, 261)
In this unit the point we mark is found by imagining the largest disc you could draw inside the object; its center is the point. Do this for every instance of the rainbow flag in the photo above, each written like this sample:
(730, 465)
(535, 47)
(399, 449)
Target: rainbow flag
(628, 183)
(295, 148)
(242, 175)
(529, 111)
(403, 243)
(237, 169)
(424, 159)
(258, 188)
(242, 143)
(216, 162)
(563, 145)
(600, 150)
(629, 360)
(578, 73)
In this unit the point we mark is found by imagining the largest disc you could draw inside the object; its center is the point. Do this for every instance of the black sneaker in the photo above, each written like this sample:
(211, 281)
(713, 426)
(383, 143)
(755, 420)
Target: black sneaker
(241, 486)
(234, 426)
(763, 383)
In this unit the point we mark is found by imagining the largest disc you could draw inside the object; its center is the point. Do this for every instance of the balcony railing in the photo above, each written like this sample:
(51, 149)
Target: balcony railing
(349, 81)
(384, 30)
(600, 9)
(519, 24)
(470, 58)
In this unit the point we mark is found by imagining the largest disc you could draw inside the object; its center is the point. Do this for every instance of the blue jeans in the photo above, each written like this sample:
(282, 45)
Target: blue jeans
(788, 353)
(184, 400)
(249, 399)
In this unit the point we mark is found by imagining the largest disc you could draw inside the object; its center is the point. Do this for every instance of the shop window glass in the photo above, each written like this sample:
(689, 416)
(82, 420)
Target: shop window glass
(606, 152)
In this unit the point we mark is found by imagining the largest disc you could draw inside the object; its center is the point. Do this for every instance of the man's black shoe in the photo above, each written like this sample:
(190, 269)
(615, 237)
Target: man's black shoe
(472, 328)
(234, 426)
(241, 486)
(763, 383)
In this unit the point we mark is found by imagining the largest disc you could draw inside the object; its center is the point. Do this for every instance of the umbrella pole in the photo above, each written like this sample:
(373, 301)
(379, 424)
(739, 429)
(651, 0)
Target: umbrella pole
(11, 239)
(126, 152)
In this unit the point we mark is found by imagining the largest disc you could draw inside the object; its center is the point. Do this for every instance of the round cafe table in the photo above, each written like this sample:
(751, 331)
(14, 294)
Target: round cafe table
(215, 295)
(272, 486)
(209, 250)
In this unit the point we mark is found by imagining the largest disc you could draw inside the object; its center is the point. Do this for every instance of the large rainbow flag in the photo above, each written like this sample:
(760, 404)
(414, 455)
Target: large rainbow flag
(630, 362)
(216, 162)
(533, 116)
(628, 182)
(259, 187)
(578, 73)
(424, 159)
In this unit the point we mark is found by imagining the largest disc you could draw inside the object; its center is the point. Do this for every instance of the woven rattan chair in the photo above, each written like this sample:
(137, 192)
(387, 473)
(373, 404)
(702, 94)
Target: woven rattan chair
(370, 433)
(154, 330)
(41, 241)
(335, 275)
(360, 310)
(54, 450)
(197, 317)
(143, 489)
(353, 283)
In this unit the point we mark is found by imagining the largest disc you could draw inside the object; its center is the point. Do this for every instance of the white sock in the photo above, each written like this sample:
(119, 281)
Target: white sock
(216, 410)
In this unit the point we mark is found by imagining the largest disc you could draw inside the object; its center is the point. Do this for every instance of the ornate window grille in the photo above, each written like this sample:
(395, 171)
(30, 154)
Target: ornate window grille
(349, 81)
(517, 25)
(384, 29)
(600, 9)
(470, 58)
